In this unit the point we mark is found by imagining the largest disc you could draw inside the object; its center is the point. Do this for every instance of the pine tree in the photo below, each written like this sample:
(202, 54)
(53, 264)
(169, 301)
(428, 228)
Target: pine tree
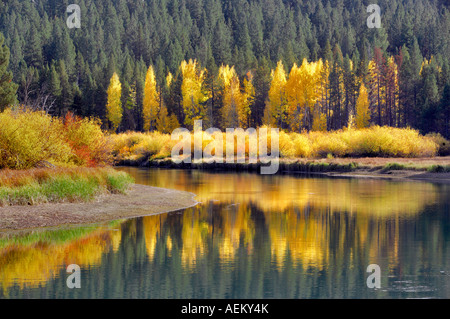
(8, 88)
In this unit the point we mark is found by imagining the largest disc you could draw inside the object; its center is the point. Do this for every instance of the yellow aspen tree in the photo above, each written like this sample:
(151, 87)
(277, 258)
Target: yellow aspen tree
(303, 92)
(392, 93)
(236, 101)
(248, 100)
(324, 99)
(276, 107)
(169, 80)
(294, 98)
(231, 97)
(163, 121)
(194, 91)
(319, 121)
(377, 88)
(362, 108)
(151, 103)
(114, 111)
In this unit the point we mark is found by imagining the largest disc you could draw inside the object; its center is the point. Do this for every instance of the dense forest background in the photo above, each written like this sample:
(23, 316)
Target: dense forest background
(60, 69)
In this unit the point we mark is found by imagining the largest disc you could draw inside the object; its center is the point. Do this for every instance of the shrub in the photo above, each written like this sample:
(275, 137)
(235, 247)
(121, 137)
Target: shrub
(28, 138)
(370, 142)
(85, 137)
(442, 142)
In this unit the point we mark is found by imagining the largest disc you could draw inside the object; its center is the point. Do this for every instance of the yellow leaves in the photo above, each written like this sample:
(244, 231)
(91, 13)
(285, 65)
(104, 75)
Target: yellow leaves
(151, 100)
(303, 90)
(236, 103)
(227, 75)
(27, 138)
(248, 99)
(276, 105)
(193, 90)
(114, 104)
(169, 80)
(166, 124)
(362, 108)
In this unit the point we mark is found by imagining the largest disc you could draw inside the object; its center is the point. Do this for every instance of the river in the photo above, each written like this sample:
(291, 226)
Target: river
(251, 236)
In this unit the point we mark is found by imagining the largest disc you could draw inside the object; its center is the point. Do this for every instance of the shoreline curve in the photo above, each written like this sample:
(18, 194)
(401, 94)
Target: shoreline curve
(139, 201)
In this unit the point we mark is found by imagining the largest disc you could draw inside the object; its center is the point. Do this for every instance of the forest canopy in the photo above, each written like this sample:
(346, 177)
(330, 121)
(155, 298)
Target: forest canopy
(402, 68)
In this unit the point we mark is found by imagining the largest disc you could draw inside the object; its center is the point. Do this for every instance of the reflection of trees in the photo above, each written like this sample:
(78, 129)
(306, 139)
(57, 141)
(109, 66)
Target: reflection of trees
(33, 265)
(316, 243)
(277, 193)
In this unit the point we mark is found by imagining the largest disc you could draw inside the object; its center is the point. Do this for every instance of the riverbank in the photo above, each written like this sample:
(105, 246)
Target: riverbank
(59, 185)
(139, 201)
(430, 168)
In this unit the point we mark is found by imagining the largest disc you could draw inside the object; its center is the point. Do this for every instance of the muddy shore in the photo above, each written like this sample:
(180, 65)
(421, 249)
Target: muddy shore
(140, 201)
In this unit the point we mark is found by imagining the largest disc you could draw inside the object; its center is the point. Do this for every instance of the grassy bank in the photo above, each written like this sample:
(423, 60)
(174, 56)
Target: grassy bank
(38, 186)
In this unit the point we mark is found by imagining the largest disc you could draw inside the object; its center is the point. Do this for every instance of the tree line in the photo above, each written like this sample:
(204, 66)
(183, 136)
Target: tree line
(300, 65)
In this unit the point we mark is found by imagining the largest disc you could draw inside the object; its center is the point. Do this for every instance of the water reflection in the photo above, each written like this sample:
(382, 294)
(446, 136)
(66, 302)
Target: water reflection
(253, 237)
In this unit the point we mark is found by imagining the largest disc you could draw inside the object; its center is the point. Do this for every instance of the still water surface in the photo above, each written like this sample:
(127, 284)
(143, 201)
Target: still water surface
(251, 236)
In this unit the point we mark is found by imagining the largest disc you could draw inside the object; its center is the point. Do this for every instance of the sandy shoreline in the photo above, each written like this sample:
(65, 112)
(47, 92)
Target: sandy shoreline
(140, 201)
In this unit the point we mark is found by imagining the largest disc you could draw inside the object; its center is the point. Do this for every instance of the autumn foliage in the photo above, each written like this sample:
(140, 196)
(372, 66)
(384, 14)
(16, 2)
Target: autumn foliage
(29, 139)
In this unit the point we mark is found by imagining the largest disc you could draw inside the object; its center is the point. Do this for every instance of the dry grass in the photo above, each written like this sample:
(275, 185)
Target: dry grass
(36, 186)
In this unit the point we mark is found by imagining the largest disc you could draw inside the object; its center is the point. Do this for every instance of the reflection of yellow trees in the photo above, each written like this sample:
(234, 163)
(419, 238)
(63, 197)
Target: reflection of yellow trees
(152, 231)
(31, 266)
(236, 225)
(236, 228)
(305, 239)
(194, 236)
(277, 193)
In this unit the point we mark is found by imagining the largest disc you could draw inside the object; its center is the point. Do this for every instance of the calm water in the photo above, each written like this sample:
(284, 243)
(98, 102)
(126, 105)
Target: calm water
(251, 237)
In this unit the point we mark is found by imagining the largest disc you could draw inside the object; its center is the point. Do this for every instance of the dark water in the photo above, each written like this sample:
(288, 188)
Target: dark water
(251, 237)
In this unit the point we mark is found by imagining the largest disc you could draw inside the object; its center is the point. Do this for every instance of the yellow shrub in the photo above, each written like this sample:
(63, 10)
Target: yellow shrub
(27, 138)
(324, 143)
(302, 145)
(374, 141)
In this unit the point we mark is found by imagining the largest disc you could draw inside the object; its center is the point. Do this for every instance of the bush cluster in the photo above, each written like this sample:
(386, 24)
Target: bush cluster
(375, 141)
(30, 139)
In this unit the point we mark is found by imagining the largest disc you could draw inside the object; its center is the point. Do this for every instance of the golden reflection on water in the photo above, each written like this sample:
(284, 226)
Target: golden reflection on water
(278, 193)
(302, 217)
(33, 265)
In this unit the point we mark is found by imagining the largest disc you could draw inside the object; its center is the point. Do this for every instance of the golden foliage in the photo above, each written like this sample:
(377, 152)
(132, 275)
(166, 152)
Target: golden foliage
(194, 91)
(362, 108)
(29, 138)
(114, 111)
(151, 100)
(275, 112)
